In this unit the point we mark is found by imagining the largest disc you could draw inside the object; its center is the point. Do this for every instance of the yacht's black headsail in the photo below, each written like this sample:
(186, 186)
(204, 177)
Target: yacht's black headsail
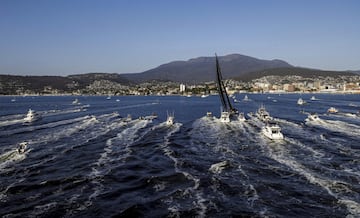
(225, 101)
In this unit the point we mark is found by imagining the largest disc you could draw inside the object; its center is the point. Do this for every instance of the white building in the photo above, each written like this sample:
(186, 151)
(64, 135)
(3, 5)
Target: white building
(182, 87)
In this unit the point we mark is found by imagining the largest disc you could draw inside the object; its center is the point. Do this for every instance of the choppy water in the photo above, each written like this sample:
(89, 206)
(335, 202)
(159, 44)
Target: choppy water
(85, 160)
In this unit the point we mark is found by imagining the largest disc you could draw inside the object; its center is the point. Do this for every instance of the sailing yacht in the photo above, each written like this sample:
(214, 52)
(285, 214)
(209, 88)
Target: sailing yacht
(228, 112)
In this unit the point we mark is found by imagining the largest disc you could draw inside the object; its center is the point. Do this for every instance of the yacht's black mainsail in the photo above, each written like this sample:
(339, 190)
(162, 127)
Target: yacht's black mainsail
(225, 101)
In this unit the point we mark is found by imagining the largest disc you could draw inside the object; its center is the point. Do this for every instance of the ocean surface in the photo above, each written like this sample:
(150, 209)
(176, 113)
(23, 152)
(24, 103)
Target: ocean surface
(87, 160)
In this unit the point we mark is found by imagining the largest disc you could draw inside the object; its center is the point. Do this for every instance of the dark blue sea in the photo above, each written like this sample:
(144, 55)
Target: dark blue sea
(87, 160)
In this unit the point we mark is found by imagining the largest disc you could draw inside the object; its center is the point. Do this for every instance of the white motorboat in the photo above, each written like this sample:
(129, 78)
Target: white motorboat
(241, 117)
(273, 131)
(301, 101)
(225, 117)
(313, 98)
(22, 147)
(76, 101)
(31, 116)
(128, 118)
(262, 114)
(170, 119)
(218, 167)
(246, 98)
(209, 114)
(332, 110)
(204, 96)
(312, 117)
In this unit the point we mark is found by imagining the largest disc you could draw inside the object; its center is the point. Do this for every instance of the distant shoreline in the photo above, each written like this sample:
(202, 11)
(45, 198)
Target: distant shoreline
(265, 93)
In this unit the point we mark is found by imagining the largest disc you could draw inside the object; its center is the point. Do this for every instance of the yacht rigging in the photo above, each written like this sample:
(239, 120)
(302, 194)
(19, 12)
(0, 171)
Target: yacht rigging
(228, 112)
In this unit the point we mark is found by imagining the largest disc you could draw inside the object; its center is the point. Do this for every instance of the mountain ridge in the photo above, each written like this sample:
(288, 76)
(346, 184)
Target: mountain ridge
(202, 69)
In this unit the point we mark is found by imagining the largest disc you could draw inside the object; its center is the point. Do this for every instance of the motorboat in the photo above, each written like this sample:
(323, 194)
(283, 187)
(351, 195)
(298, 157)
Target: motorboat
(128, 118)
(170, 119)
(241, 117)
(209, 114)
(204, 96)
(313, 98)
(246, 98)
(332, 110)
(225, 117)
(22, 147)
(312, 117)
(272, 130)
(262, 114)
(31, 116)
(218, 167)
(76, 101)
(301, 101)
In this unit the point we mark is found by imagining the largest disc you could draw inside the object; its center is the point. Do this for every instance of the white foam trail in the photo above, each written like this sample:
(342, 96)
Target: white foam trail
(125, 138)
(337, 126)
(61, 112)
(3, 194)
(314, 153)
(12, 157)
(329, 185)
(78, 125)
(200, 201)
(42, 209)
(43, 126)
(11, 122)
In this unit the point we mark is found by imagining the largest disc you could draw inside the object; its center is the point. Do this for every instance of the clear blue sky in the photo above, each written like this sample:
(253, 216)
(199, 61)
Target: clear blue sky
(62, 37)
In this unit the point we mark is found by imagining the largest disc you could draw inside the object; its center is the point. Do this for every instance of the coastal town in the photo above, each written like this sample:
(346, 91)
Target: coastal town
(267, 84)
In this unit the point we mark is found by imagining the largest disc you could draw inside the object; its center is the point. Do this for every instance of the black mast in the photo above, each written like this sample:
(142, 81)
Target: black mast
(220, 85)
(222, 90)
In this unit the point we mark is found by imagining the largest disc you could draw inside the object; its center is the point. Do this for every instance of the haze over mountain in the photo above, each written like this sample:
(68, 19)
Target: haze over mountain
(202, 69)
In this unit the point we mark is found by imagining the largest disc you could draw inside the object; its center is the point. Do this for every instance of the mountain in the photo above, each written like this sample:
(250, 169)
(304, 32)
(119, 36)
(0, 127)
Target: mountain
(292, 71)
(202, 69)
(88, 78)
(10, 84)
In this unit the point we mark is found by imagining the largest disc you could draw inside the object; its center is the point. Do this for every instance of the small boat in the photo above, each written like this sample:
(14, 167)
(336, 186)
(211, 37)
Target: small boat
(209, 114)
(109, 97)
(153, 116)
(262, 114)
(170, 119)
(76, 101)
(225, 117)
(301, 101)
(332, 110)
(273, 131)
(313, 98)
(218, 167)
(31, 116)
(236, 101)
(13, 100)
(22, 147)
(246, 98)
(312, 117)
(204, 96)
(128, 118)
(241, 117)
